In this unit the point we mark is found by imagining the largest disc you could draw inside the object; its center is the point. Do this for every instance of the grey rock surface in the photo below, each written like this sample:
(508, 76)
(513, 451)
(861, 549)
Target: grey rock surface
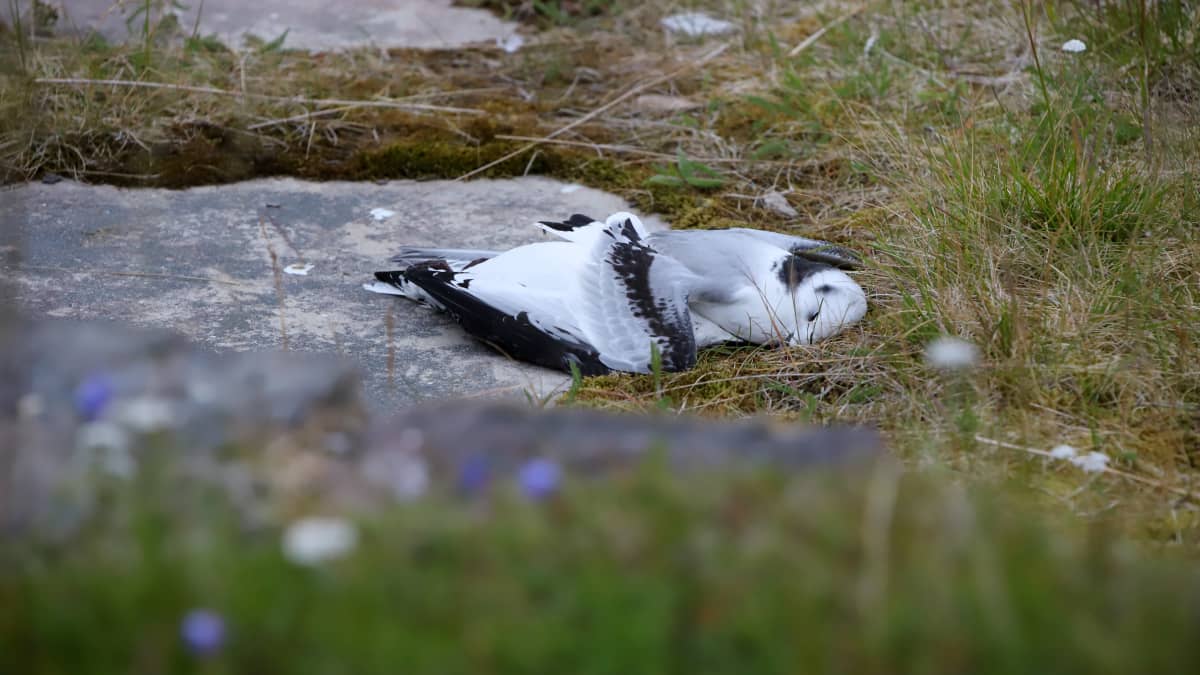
(593, 442)
(315, 25)
(101, 399)
(209, 263)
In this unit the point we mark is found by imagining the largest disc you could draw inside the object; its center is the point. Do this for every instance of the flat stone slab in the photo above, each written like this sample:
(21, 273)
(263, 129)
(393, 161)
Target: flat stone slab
(209, 262)
(316, 25)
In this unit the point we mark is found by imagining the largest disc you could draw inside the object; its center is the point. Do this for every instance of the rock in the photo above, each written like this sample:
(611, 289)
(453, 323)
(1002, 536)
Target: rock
(658, 104)
(696, 24)
(451, 437)
(314, 25)
(158, 390)
(208, 262)
(282, 433)
(779, 204)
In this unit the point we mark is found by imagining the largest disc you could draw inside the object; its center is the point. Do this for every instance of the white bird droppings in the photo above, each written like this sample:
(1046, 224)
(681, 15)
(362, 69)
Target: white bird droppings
(298, 269)
(951, 353)
(696, 24)
(511, 44)
(1063, 451)
(311, 541)
(1093, 462)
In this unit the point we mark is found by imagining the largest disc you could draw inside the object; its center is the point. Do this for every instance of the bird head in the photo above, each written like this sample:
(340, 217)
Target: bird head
(816, 300)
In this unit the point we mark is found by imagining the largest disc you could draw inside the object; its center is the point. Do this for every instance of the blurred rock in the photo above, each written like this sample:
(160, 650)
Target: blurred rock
(286, 434)
(159, 391)
(453, 435)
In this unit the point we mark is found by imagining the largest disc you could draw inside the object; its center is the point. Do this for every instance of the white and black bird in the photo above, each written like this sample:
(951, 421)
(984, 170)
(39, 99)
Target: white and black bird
(601, 294)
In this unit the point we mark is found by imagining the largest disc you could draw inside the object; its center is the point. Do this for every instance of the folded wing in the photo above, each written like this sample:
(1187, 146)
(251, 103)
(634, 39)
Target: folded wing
(527, 324)
(812, 249)
(630, 300)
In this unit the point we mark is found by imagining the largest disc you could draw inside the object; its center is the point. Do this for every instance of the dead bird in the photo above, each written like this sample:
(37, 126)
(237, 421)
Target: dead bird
(610, 296)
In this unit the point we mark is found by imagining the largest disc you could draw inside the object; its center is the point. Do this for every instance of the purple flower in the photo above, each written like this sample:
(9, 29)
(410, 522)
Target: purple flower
(202, 631)
(93, 395)
(473, 474)
(540, 478)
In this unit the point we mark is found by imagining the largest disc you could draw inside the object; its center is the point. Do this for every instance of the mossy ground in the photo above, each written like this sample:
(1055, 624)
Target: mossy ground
(1039, 203)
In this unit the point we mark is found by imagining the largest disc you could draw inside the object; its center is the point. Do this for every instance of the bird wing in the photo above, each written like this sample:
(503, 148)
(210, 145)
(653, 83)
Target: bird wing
(531, 324)
(812, 249)
(457, 258)
(741, 286)
(628, 296)
(570, 228)
(583, 229)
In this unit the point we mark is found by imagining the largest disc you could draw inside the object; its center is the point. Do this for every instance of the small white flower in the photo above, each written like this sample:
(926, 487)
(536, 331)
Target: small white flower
(144, 414)
(30, 406)
(382, 214)
(874, 37)
(105, 445)
(1093, 462)
(298, 269)
(311, 541)
(696, 24)
(1074, 46)
(511, 44)
(951, 353)
(1063, 452)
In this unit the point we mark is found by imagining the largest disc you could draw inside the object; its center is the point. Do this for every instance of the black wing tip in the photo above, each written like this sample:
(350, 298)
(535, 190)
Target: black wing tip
(629, 231)
(677, 357)
(841, 258)
(793, 269)
(409, 254)
(514, 336)
(393, 277)
(575, 221)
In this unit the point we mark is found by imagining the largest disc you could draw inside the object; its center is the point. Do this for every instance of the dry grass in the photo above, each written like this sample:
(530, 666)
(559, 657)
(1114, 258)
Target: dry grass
(1038, 203)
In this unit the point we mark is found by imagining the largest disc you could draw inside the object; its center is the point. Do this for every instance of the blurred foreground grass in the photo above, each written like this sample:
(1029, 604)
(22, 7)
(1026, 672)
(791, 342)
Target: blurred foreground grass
(875, 572)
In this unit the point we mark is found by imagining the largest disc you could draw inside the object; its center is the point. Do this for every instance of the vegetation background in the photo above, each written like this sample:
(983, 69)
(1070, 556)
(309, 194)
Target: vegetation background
(1038, 203)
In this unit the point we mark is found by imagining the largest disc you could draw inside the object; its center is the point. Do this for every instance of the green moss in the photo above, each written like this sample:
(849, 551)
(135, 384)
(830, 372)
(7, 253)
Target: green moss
(714, 381)
(439, 159)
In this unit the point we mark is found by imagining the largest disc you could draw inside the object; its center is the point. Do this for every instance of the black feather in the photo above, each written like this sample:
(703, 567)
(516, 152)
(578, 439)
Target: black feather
(792, 270)
(576, 220)
(671, 327)
(514, 336)
(841, 258)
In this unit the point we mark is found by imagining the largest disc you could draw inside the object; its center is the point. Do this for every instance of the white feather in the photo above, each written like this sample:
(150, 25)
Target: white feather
(615, 287)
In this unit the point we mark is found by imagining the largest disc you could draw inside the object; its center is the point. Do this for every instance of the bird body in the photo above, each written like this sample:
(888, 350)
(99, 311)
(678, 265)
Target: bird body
(606, 295)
